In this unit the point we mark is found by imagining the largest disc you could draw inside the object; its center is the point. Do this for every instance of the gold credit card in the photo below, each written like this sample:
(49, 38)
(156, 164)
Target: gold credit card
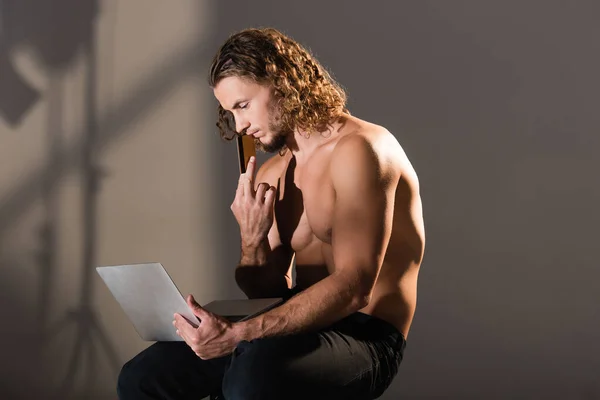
(246, 149)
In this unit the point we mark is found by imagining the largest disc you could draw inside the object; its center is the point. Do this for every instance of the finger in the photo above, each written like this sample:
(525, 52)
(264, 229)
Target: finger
(249, 174)
(270, 196)
(180, 322)
(239, 191)
(185, 330)
(180, 327)
(251, 167)
(199, 312)
(177, 331)
(261, 189)
(242, 185)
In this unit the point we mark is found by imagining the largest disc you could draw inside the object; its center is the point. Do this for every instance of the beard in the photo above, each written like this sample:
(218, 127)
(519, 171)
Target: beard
(278, 138)
(275, 145)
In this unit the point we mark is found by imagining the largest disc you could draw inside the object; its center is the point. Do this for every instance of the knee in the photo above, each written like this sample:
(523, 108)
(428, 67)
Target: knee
(142, 375)
(134, 377)
(164, 369)
(128, 382)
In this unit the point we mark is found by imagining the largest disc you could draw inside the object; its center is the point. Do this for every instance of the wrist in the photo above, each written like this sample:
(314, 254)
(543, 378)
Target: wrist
(253, 253)
(252, 244)
(241, 331)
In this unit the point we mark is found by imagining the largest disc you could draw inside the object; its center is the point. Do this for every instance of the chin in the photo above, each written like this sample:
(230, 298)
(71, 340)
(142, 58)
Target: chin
(270, 143)
(268, 147)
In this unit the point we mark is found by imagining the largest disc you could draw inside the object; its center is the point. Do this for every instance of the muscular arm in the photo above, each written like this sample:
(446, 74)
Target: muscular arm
(361, 230)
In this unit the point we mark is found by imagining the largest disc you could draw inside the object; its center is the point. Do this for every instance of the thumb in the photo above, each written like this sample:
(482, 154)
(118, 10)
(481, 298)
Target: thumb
(196, 308)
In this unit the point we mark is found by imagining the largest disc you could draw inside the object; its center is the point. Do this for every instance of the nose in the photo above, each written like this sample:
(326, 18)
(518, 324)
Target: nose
(241, 125)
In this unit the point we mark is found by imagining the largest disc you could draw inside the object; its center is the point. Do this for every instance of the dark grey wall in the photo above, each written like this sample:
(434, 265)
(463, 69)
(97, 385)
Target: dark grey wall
(496, 105)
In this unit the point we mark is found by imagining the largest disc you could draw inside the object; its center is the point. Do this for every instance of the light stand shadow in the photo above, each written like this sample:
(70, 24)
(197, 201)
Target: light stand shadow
(83, 316)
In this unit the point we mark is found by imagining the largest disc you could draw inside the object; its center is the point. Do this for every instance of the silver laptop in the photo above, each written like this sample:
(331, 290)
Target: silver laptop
(149, 297)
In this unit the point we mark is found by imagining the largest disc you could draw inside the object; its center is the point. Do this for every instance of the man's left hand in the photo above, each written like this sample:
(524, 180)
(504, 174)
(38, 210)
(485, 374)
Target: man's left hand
(214, 337)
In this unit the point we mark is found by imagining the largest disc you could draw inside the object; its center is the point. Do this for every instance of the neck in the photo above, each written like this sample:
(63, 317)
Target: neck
(302, 144)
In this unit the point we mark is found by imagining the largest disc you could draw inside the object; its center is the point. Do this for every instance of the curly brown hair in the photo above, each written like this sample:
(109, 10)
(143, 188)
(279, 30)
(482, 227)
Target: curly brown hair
(307, 96)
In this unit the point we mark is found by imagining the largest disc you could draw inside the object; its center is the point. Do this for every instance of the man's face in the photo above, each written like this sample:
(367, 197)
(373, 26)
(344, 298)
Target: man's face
(254, 110)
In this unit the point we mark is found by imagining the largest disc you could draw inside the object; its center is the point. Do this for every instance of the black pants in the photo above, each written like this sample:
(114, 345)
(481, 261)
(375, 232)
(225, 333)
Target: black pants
(356, 358)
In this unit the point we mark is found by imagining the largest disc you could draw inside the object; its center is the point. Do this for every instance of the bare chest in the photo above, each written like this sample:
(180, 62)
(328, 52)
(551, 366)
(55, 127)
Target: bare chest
(304, 208)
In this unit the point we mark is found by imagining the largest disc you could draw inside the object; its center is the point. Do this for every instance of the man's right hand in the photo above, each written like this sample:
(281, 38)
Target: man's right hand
(253, 209)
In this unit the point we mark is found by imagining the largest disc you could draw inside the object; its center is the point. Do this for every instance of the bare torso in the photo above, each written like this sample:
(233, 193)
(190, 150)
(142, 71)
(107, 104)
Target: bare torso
(303, 221)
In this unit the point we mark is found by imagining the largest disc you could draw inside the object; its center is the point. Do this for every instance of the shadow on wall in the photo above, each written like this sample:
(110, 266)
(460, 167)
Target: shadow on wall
(55, 29)
(58, 31)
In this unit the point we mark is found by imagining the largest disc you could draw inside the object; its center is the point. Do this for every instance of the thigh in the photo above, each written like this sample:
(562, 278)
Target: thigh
(170, 370)
(330, 364)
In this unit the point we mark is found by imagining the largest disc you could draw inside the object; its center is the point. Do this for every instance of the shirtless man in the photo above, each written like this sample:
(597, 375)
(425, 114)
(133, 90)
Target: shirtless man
(341, 199)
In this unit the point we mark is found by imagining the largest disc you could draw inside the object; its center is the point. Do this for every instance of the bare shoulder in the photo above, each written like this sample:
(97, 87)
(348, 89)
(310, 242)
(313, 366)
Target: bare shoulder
(373, 147)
